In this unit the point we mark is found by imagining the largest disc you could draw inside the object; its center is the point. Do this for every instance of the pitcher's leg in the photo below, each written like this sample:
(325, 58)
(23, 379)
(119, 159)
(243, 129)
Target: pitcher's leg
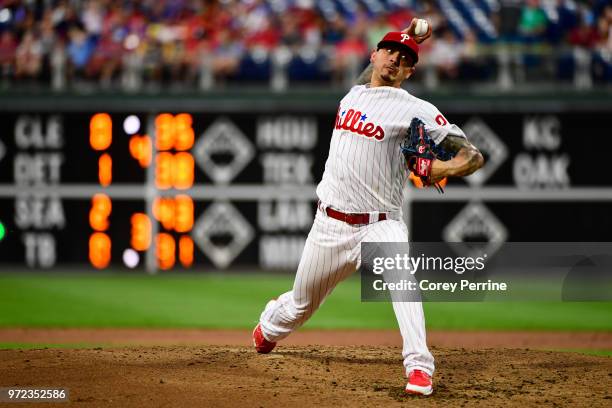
(410, 316)
(411, 321)
(325, 262)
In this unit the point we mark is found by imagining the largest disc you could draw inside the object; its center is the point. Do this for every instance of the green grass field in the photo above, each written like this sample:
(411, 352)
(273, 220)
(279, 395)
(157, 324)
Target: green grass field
(235, 301)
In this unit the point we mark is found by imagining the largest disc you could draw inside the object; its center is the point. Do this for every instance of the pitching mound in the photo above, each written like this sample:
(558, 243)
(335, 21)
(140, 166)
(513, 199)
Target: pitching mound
(314, 376)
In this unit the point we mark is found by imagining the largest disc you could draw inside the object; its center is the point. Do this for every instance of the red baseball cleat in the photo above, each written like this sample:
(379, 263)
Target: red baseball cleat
(262, 345)
(419, 382)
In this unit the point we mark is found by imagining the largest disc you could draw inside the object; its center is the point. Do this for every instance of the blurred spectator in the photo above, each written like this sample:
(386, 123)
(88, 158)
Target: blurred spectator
(80, 50)
(377, 30)
(173, 57)
(106, 60)
(445, 54)
(509, 19)
(310, 23)
(267, 36)
(475, 64)
(149, 52)
(196, 44)
(533, 22)
(226, 56)
(400, 17)
(604, 28)
(334, 31)
(568, 16)
(358, 21)
(23, 18)
(93, 18)
(291, 35)
(48, 36)
(603, 34)
(348, 56)
(584, 34)
(8, 47)
(64, 17)
(28, 59)
(602, 58)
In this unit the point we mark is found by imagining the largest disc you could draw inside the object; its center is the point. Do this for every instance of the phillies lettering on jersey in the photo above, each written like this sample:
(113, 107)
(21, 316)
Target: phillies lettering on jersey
(365, 170)
(355, 122)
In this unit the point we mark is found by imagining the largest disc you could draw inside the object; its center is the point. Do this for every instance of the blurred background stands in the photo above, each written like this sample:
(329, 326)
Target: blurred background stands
(185, 44)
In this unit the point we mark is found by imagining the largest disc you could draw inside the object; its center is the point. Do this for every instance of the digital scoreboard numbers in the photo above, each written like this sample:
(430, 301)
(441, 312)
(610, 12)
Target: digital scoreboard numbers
(174, 170)
(99, 189)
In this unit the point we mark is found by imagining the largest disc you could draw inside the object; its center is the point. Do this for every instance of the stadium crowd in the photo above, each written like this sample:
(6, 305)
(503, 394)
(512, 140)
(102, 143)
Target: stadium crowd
(170, 41)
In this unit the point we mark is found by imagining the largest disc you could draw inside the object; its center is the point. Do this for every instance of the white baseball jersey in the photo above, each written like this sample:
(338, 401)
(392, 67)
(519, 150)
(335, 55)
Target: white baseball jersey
(365, 170)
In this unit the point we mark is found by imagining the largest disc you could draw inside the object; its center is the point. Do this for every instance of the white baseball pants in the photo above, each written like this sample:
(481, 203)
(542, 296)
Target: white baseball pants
(331, 254)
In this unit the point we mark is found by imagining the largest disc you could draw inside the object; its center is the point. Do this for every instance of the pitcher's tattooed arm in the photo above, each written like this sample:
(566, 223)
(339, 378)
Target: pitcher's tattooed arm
(467, 158)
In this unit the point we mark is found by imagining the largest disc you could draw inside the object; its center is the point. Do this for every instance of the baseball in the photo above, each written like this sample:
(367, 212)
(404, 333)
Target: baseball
(421, 27)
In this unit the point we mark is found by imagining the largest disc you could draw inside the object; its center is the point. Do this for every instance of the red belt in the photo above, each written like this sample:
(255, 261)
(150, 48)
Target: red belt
(352, 218)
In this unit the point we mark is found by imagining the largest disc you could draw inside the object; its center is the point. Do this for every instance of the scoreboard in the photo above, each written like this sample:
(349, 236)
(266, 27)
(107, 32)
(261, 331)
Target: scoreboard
(126, 189)
(89, 188)
(192, 189)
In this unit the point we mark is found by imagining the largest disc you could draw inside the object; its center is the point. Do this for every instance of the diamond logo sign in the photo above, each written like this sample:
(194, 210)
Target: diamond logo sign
(223, 151)
(222, 233)
(489, 144)
(476, 224)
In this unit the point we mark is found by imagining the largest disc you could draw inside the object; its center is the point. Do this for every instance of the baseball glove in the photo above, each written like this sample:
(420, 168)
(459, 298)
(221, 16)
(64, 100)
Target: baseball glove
(420, 151)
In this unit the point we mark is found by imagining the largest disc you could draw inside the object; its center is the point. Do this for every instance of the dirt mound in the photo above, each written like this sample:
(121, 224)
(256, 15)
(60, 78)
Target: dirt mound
(314, 376)
(172, 337)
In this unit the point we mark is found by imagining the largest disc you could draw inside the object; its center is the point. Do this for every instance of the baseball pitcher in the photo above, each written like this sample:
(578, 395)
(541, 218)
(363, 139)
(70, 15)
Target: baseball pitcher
(380, 135)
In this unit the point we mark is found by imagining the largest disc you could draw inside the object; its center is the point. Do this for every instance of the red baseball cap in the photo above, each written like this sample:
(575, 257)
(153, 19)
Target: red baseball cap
(403, 39)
